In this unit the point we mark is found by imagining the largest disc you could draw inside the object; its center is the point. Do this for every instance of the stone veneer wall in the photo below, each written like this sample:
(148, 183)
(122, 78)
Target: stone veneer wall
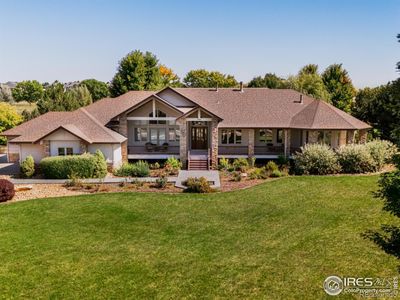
(287, 142)
(83, 147)
(350, 136)
(123, 130)
(250, 149)
(363, 136)
(46, 147)
(183, 142)
(342, 138)
(214, 143)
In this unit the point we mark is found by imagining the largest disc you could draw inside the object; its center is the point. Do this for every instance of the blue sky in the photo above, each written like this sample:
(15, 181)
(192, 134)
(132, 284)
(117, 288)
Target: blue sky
(75, 40)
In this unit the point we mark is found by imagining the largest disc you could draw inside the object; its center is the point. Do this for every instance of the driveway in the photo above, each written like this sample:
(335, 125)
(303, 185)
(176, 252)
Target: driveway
(8, 168)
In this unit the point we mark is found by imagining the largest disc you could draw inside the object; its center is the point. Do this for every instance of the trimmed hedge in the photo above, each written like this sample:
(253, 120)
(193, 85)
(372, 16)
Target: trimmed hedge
(81, 166)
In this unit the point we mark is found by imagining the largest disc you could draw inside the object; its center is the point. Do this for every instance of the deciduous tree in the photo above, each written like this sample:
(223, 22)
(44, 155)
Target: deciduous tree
(208, 79)
(270, 80)
(136, 71)
(8, 118)
(338, 84)
(97, 89)
(31, 91)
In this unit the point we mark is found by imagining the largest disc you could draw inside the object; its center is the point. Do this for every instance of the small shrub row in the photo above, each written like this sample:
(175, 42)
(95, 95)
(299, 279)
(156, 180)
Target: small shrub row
(81, 166)
(138, 169)
(172, 166)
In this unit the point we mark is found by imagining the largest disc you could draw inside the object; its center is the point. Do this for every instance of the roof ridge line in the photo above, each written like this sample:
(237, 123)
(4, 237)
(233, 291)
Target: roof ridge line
(97, 122)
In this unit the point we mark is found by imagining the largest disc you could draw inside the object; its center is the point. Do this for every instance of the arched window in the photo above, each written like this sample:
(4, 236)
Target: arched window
(159, 114)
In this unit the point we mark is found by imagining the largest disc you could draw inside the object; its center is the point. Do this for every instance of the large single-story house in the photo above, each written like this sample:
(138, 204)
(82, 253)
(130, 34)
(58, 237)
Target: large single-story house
(197, 125)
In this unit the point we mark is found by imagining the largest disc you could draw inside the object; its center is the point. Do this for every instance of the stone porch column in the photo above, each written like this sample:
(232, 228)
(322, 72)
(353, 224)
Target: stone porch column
(83, 147)
(350, 136)
(124, 151)
(342, 138)
(363, 136)
(123, 130)
(46, 147)
(286, 146)
(250, 150)
(183, 150)
(214, 144)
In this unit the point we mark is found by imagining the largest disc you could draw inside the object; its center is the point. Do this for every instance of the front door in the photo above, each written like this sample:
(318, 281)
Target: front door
(199, 137)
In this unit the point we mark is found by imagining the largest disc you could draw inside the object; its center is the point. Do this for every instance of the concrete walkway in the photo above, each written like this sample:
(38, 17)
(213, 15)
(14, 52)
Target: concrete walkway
(89, 180)
(211, 176)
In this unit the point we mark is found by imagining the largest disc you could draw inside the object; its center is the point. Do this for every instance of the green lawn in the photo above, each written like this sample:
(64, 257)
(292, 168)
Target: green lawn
(278, 240)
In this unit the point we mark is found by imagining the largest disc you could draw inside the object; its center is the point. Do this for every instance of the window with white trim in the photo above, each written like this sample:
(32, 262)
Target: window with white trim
(231, 136)
(62, 151)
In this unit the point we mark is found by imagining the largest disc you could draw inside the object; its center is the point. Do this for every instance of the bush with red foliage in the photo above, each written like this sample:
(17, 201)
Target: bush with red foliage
(7, 191)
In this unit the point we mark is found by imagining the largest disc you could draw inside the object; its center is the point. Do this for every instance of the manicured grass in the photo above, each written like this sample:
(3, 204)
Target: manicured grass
(279, 240)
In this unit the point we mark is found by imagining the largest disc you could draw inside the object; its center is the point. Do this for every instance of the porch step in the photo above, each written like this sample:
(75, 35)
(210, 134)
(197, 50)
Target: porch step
(198, 164)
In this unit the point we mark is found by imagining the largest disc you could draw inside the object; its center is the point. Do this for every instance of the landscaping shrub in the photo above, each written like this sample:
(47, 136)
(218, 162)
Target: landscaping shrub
(100, 169)
(276, 173)
(236, 176)
(258, 173)
(154, 166)
(27, 167)
(172, 165)
(82, 166)
(197, 185)
(316, 159)
(271, 167)
(382, 152)
(241, 164)
(7, 191)
(355, 158)
(161, 182)
(283, 161)
(138, 169)
(223, 164)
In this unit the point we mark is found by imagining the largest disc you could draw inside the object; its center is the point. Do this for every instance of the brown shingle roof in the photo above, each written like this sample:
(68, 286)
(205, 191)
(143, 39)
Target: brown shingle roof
(79, 123)
(278, 108)
(252, 108)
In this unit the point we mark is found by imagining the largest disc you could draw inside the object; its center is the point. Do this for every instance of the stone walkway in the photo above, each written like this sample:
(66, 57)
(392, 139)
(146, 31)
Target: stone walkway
(211, 176)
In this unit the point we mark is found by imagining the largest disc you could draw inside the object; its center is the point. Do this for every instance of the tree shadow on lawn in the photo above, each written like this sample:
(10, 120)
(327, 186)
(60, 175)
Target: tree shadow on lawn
(388, 239)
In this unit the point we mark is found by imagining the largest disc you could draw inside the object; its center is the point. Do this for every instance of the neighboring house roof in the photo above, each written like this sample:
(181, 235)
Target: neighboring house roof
(247, 108)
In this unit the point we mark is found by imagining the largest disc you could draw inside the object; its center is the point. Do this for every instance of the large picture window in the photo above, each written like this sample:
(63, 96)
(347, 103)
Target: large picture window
(231, 136)
(141, 134)
(265, 136)
(157, 136)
